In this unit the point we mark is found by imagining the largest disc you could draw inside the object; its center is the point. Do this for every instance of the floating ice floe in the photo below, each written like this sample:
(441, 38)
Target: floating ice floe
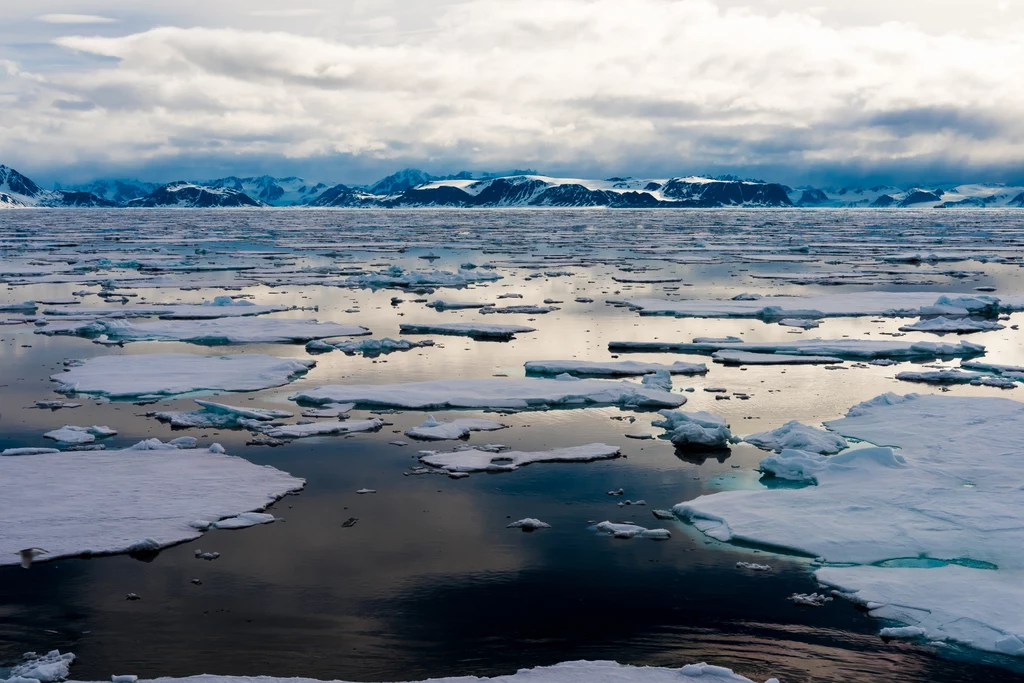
(413, 279)
(795, 435)
(210, 332)
(49, 668)
(933, 529)
(748, 358)
(839, 348)
(531, 310)
(474, 460)
(626, 530)
(169, 374)
(624, 368)
(830, 305)
(70, 434)
(220, 307)
(23, 307)
(566, 672)
(100, 502)
(474, 330)
(802, 323)
(695, 430)
(528, 524)
(340, 410)
(368, 347)
(242, 521)
(442, 305)
(432, 430)
(564, 391)
(958, 325)
(28, 451)
(994, 368)
(220, 415)
(299, 431)
(954, 376)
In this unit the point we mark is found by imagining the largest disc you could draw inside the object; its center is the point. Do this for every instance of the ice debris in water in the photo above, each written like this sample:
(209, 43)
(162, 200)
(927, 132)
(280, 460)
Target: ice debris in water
(28, 451)
(753, 566)
(528, 524)
(220, 415)
(611, 368)
(856, 349)
(49, 668)
(432, 430)
(368, 347)
(168, 374)
(954, 376)
(473, 330)
(299, 431)
(695, 429)
(748, 358)
(958, 325)
(626, 530)
(71, 434)
(809, 599)
(209, 332)
(794, 435)
(494, 393)
(400, 278)
(106, 501)
(479, 460)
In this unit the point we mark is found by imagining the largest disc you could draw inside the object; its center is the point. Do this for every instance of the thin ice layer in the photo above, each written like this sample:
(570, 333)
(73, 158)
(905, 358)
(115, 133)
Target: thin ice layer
(109, 501)
(494, 393)
(169, 374)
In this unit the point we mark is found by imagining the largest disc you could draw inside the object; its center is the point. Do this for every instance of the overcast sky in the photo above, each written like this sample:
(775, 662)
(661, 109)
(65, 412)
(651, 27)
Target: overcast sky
(349, 90)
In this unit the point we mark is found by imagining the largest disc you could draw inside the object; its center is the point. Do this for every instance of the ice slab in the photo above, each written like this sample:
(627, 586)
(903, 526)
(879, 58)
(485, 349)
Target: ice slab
(955, 376)
(473, 460)
(939, 518)
(412, 279)
(958, 325)
(619, 530)
(210, 332)
(109, 501)
(71, 434)
(219, 415)
(324, 428)
(695, 429)
(799, 436)
(475, 330)
(839, 348)
(624, 368)
(432, 430)
(494, 393)
(368, 347)
(168, 374)
(748, 358)
(49, 668)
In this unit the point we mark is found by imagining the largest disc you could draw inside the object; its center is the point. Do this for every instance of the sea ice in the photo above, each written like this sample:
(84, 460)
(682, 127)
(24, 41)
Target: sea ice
(632, 531)
(959, 325)
(695, 430)
(748, 358)
(209, 332)
(565, 391)
(954, 376)
(529, 524)
(475, 460)
(168, 374)
(324, 428)
(624, 368)
(432, 430)
(474, 330)
(413, 279)
(49, 668)
(108, 501)
(368, 347)
(70, 434)
(219, 415)
(794, 435)
(840, 348)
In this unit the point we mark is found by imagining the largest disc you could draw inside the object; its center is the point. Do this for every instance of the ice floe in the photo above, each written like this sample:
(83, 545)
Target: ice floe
(368, 347)
(474, 330)
(564, 391)
(954, 376)
(933, 529)
(169, 374)
(432, 430)
(219, 415)
(796, 435)
(958, 325)
(624, 368)
(474, 460)
(109, 501)
(528, 524)
(299, 431)
(71, 434)
(695, 429)
(626, 530)
(413, 279)
(747, 358)
(839, 348)
(49, 668)
(210, 332)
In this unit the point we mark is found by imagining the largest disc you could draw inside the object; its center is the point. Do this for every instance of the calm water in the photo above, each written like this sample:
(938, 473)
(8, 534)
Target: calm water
(429, 582)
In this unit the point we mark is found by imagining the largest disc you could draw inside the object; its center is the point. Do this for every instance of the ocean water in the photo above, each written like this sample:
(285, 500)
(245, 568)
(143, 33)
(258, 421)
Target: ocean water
(429, 581)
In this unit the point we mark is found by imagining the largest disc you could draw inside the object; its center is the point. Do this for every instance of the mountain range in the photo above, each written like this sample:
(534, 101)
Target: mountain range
(518, 188)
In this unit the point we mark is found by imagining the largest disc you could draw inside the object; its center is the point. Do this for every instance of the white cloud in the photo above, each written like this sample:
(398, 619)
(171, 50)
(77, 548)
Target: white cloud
(75, 19)
(286, 13)
(599, 83)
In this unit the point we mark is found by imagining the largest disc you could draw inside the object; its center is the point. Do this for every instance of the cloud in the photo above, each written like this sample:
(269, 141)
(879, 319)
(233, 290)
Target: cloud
(652, 85)
(286, 13)
(75, 19)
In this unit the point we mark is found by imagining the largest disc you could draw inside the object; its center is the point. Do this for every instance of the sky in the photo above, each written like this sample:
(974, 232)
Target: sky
(796, 91)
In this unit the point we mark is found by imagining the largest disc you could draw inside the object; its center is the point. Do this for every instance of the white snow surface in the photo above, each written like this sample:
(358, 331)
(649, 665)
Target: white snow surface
(473, 460)
(109, 501)
(566, 672)
(215, 331)
(624, 368)
(951, 495)
(169, 374)
(494, 393)
(433, 430)
(795, 435)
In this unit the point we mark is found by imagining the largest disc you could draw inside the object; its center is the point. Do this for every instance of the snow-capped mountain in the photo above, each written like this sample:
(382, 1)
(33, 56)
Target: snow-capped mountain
(116, 190)
(290, 191)
(397, 183)
(189, 195)
(18, 190)
(960, 196)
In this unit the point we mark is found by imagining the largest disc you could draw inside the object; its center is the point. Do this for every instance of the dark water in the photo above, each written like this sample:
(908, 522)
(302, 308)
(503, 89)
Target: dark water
(429, 582)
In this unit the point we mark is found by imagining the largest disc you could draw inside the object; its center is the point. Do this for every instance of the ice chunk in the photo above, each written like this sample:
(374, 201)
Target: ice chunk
(246, 519)
(208, 332)
(902, 632)
(340, 410)
(324, 428)
(442, 305)
(529, 524)
(794, 435)
(106, 501)
(632, 531)
(477, 460)
(530, 310)
(49, 668)
(624, 368)
(958, 325)
(840, 348)
(474, 330)
(954, 376)
(168, 374)
(369, 347)
(494, 393)
(432, 430)
(71, 434)
(748, 358)
(802, 323)
(696, 429)
(397, 277)
(28, 451)
(219, 415)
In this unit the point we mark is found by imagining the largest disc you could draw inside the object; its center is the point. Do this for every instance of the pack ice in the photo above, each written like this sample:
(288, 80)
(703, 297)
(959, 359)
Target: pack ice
(211, 332)
(433, 430)
(933, 529)
(624, 368)
(220, 415)
(474, 330)
(144, 497)
(413, 279)
(563, 391)
(169, 374)
(836, 348)
(474, 460)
